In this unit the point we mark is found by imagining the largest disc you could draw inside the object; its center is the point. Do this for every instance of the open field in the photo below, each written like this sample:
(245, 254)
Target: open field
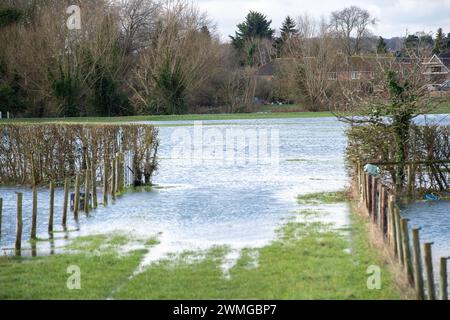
(267, 112)
(190, 117)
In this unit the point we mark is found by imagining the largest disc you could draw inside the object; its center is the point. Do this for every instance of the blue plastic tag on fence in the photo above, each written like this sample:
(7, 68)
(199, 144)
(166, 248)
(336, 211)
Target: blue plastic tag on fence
(372, 170)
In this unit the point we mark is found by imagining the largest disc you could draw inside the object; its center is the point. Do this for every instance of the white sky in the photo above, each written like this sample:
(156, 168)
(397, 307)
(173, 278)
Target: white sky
(395, 17)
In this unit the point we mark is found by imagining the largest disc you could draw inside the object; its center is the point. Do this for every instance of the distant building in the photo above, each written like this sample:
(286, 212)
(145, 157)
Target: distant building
(362, 68)
(436, 70)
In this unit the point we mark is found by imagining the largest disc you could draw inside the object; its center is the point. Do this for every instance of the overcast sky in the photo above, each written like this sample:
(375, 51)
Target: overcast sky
(395, 17)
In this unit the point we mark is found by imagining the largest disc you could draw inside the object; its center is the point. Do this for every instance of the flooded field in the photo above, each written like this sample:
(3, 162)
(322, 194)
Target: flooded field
(205, 198)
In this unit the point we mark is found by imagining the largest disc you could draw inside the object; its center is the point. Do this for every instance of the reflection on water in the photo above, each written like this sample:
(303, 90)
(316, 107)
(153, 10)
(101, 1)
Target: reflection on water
(434, 219)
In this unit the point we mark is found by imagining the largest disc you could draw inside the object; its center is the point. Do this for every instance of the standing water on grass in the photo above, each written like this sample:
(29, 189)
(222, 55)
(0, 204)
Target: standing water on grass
(200, 199)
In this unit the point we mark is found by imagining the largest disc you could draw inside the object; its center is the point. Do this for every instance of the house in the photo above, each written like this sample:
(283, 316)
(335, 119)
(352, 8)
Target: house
(352, 68)
(362, 68)
(436, 70)
(343, 68)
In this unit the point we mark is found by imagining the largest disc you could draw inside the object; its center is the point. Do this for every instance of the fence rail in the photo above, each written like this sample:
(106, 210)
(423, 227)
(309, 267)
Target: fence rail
(381, 205)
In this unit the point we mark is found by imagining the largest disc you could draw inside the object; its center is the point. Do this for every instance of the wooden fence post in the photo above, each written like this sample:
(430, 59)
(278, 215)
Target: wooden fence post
(66, 202)
(117, 174)
(358, 176)
(368, 192)
(94, 187)
(373, 208)
(429, 271)
(379, 204)
(391, 225)
(443, 279)
(1, 212)
(120, 173)
(76, 205)
(87, 191)
(52, 208)
(105, 184)
(383, 201)
(34, 214)
(411, 179)
(418, 272)
(399, 236)
(113, 184)
(19, 224)
(363, 186)
(407, 250)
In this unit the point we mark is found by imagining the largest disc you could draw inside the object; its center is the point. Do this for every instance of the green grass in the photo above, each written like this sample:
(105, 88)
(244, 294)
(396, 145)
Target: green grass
(322, 198)
(266, 112)
(308, 260)
(282, 108)
(191, 117)
(46, 278)
(443, 109)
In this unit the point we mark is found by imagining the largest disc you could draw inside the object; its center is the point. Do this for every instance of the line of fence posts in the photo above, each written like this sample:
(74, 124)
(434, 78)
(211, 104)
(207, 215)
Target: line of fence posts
(90, 189)
(383, 210)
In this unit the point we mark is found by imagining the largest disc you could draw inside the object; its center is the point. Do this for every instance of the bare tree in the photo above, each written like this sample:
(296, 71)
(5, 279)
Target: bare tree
(181, 58)
(351, 25)
(239, 89)
(313, 57)
(138, 22)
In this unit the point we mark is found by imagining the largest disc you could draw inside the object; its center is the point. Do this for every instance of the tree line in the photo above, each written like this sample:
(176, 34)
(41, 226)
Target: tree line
(135, 57)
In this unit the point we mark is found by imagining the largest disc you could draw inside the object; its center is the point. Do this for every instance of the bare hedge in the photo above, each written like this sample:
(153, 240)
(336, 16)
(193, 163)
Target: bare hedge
(57, 151)
(429, 146)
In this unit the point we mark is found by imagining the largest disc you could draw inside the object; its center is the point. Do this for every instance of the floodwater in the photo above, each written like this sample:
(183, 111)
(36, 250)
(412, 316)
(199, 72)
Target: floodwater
(434, 220)
(212, 188)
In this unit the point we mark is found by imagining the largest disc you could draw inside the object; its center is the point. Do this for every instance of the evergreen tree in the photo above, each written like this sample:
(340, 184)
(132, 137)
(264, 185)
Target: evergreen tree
(381, 46)
(288, 29)
(255, 26)
(439, 44)
(250, 35)
(412, 41)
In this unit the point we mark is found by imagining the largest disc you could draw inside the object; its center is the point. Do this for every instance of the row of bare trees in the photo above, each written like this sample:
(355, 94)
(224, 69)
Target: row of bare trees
(129, 57)
(165, 57)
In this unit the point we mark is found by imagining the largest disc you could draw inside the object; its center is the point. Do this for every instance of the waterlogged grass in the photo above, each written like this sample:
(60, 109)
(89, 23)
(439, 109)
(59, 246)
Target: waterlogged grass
(46, 278)
(322, 198)
(309, 260)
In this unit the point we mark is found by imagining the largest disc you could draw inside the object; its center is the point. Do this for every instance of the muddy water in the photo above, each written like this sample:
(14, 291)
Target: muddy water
(207, 197)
